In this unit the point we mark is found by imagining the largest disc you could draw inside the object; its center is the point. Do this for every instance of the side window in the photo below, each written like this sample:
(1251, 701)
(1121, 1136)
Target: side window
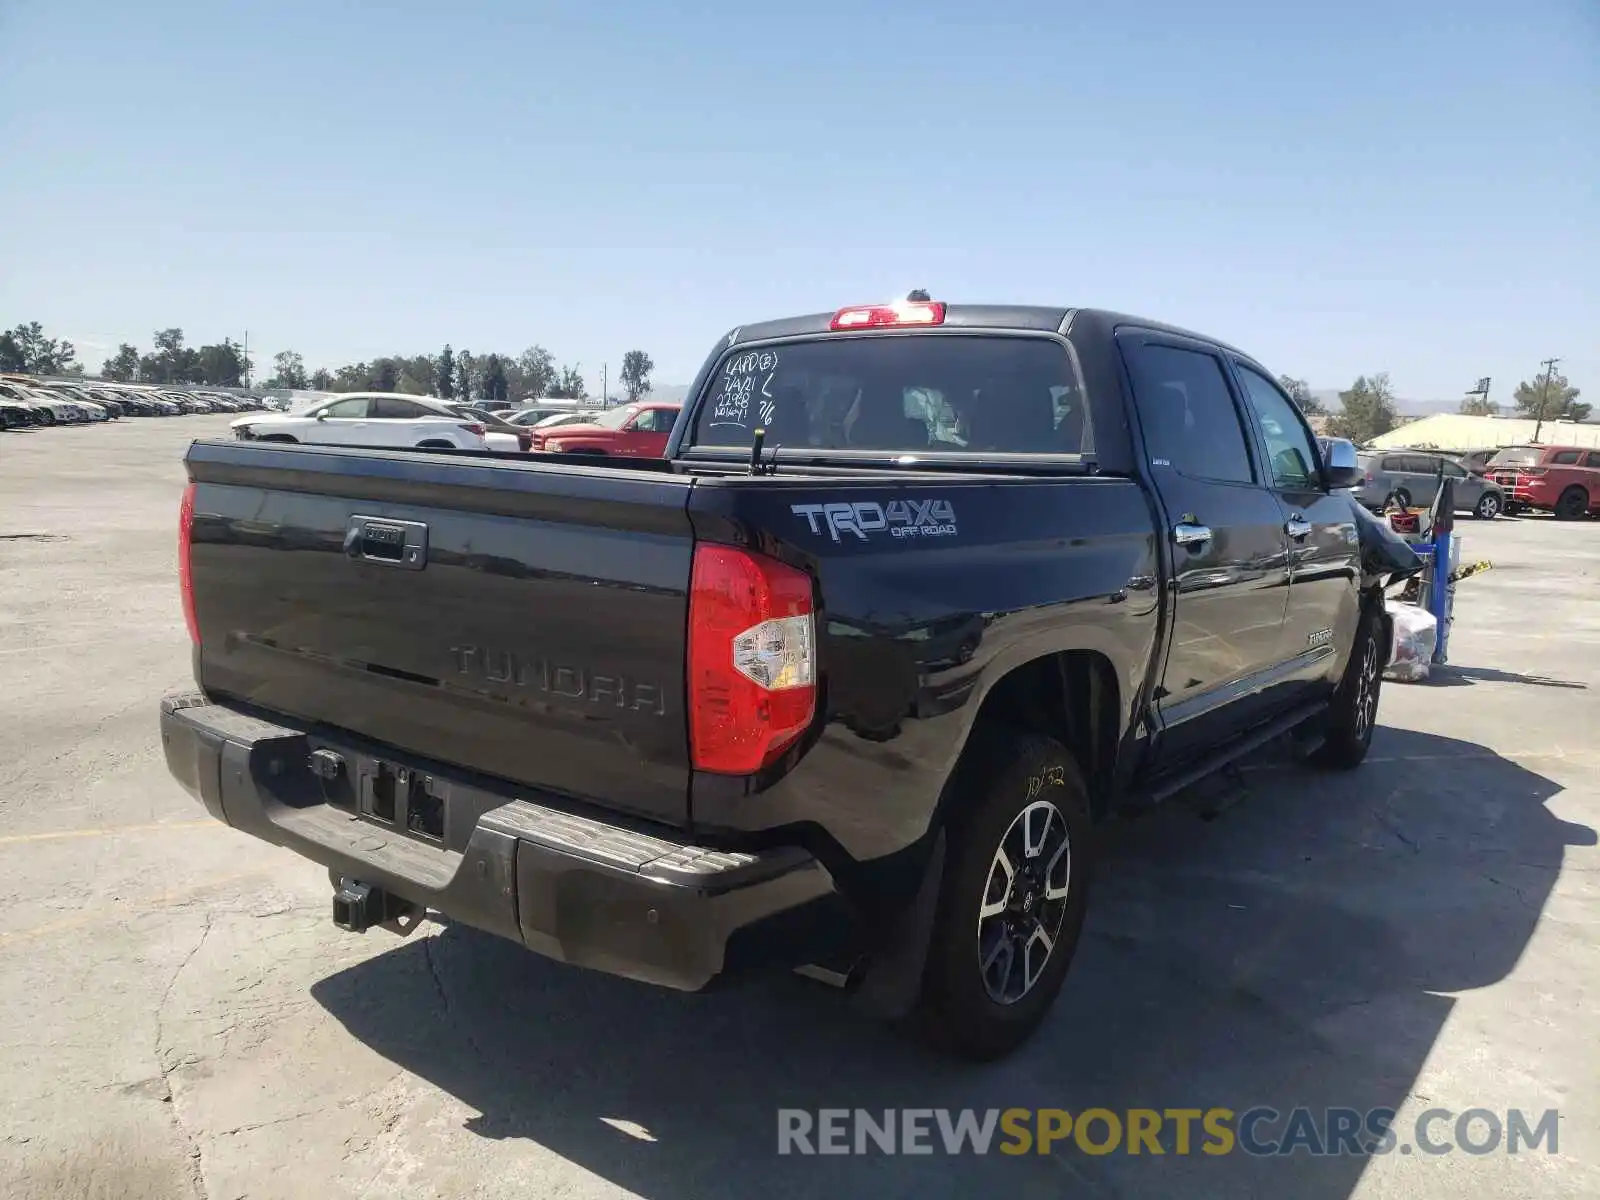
(1290, 454)
(347, 409)
(1455, 472)
(386, 408)
(1188, 414)
(1566, 458)
(1593, 460)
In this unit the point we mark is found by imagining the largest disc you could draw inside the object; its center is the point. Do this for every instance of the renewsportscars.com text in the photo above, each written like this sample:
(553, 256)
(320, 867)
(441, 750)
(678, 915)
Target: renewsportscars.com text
(1260, 1131)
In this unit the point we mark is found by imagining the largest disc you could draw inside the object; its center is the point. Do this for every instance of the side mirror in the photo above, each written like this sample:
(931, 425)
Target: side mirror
(323, 415)
(1340, 467)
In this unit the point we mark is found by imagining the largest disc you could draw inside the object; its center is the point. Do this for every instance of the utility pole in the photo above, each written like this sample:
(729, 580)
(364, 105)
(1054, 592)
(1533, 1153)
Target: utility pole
(246, 374)
(1544, 394)
(605, 396)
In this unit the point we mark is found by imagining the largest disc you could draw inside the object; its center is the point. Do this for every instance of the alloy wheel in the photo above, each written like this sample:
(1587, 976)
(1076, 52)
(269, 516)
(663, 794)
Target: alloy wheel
(1367, 689)
(1024, 902)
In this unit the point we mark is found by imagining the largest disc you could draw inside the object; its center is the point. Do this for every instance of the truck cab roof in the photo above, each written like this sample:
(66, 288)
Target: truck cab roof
(1019, 317)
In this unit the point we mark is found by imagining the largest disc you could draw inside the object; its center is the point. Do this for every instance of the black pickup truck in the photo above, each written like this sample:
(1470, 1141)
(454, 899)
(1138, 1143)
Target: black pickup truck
(918, 594)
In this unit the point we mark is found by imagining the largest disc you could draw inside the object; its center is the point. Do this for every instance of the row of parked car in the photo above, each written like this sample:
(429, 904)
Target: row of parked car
(427, 422)
(28, 401)
(1564, 480)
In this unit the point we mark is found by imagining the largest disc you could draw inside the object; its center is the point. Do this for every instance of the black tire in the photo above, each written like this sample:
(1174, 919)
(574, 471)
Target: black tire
(1401, 497)
(1573, 504)
(1352, 714)
(1006, 774)
(1513, 509)
(1488, 507)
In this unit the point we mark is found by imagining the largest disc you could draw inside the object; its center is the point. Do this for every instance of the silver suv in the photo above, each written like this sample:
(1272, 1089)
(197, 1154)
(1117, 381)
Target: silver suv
(1410, 478)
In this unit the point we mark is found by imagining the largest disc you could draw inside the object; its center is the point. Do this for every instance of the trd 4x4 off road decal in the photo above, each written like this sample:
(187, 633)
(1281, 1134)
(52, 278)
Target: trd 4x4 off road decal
(900, 518)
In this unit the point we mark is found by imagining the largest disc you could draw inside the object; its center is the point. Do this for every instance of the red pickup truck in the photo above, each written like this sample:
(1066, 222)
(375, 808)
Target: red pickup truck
(1564, 480)
(633, 431)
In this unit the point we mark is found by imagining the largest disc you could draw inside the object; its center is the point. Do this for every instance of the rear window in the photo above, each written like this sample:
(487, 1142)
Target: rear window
(1521, 456)
(934, 393)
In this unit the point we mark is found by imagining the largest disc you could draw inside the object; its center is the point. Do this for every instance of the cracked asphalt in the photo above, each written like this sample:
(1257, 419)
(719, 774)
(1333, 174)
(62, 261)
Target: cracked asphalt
(182, 1019)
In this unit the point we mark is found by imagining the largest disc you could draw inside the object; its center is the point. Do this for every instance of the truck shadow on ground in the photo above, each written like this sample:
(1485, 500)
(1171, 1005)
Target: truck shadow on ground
(1449, 676)
(1295, 951)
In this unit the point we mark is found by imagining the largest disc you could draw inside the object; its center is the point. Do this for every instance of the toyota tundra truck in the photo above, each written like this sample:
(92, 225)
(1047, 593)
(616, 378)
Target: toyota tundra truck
(918, 595)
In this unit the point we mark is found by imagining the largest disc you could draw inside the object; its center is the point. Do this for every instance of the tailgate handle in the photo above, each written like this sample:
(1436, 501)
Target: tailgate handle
(402, 544)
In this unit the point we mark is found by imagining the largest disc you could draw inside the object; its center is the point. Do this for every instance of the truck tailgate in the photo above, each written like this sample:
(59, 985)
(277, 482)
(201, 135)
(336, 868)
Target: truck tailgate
(525, 620)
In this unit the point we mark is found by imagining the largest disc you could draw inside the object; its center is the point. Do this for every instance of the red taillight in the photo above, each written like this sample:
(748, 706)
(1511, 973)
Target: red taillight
(752, 659)
(1534, 471)
(1369, 477)
(474, 428)
(185, 572)
(878, 316)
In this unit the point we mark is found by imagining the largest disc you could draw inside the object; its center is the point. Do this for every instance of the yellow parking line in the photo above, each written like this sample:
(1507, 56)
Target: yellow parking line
(107, 831)
(128, 908)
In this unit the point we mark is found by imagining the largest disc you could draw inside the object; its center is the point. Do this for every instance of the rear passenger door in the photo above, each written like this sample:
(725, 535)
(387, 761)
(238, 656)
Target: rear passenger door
(1225, 534)
(1324, 548)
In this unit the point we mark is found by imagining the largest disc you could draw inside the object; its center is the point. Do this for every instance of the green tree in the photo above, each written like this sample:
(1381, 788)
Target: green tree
(465, 375)
(1300, 392)
(1366, 409)
(385, 375)
(123, 366)
(535, 374)
(222, 366)
(417, 376)
(288, 371)
(26, 348)
(445, 372)
(1560, 399)
(569, 385)
(636, 368)
(495, 384)
(321, 380)
(353, 377)
(171, 361)
(1479, 405)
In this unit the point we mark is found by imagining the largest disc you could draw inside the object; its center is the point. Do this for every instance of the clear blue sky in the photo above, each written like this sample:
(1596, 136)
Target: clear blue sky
(1411, 187)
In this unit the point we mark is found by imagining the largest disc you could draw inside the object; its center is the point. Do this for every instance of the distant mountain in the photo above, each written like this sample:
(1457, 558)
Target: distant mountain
(669, 393)
(661, 393)
(1329, 398)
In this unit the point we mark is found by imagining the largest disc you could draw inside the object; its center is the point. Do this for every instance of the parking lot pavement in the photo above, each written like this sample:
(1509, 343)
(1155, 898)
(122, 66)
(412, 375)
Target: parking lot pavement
(183, 1020)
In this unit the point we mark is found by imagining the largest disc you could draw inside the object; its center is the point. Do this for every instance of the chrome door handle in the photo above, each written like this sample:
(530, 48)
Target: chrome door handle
(1297, 527)
(1187, 534)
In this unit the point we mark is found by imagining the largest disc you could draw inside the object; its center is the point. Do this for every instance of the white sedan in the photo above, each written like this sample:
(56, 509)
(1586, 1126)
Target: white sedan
(367, 419)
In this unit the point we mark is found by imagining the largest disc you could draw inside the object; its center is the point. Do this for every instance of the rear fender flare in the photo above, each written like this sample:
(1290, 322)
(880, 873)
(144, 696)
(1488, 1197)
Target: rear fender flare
(1129, 651)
